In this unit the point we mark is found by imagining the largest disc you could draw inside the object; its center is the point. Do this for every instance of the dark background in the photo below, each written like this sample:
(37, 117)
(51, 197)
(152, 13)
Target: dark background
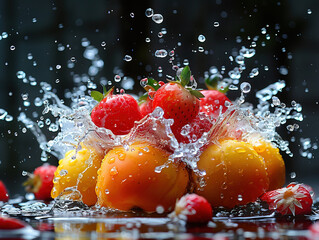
(43, 35)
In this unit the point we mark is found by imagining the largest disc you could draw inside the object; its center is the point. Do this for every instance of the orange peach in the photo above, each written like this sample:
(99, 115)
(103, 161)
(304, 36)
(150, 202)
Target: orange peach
(235, 174)
(127, 179)
(77, 170)
(275, 164)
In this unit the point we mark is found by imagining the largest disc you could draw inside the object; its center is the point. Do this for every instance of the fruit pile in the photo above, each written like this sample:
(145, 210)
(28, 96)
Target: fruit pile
(230, 170)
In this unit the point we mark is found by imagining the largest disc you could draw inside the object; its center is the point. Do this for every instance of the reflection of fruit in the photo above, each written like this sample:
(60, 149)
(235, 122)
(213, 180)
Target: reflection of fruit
(194, 208)
(41, 182)
(78, 169)
(235, 174)
(7, 223)
(274, 163)
(4, 196)
(70, 230)
(212, 102)
(116, 112)
(293, 199)
(127, 179)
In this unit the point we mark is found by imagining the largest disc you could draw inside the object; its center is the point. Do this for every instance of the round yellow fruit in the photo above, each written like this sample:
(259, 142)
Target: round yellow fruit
(78, 170)
(127, 179)
(275, 164)
(235, 174)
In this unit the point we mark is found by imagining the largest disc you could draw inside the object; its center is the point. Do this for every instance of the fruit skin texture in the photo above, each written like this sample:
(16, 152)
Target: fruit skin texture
(41, 182)
(274, 163)
(85, 162)
(235, 174)
(4, 196)
(146, 107)
(194, 208)
(178, 104)
(7, 223)
(212, 102)
(117, 113)
(291, 200)
(127, 179)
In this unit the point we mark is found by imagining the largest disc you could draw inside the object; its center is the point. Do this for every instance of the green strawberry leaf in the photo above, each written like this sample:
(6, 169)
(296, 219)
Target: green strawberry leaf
(196, 93)
(96, 95)
(185, 76)
(212, 81)
(151, 82)
(143, 98)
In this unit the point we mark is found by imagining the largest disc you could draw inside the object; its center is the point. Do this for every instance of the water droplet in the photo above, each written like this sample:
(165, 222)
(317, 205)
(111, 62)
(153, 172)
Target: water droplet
(200, 49)
(283, 70)
(309, 11)
(132, 15)
(160, 209)
(147, 39)
(293, 175)
(158, 18)
(21, 74)
(72, 59)
(216, 24)
(201, 38)
(149, 12)
(30, 57)
(12, 47)
(24, 173)
(4, 35)
(107, 191)
(58, 66)
(34, 20)
(113, 171)
(240, 198)
(160, 34)
(161, 53)
(263, 31)
(127, 58)
(117, 78)
(63, 172)
(245, 87)
(254, 72)
(186, 62)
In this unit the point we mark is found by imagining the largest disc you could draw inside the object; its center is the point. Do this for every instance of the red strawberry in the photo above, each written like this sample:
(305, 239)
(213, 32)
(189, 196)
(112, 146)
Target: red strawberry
(3, 192)
(179, 103)
(293, 199)
(196, 128)
(193, 208)
(213, 102)
(146, 106)
(7, 223)
(115, 112)
(41, 182)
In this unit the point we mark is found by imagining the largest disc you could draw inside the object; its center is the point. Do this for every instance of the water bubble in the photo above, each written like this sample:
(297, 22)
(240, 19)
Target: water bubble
(266, 68)
(254, 72)
(158, 18)
(216, 24)
(147, 39)
(309, 11)
(267, 36)
(161, 53)
(24, 173)
(3, 114)
(201, 38)
(200, 49)
(149, 12)
(34, 20)
(246, 52)
(240, 198)
(245, 87)
(160, 34)
(30, 57)
(127, 58)
(72, 59)
(234, 74)
(8, 118)
(12, 47)
(117, 78)
(160, 209)
(240, 59)
(132, 15)
(213, 70)
(186, 62)
(60, 47)
(164, 31)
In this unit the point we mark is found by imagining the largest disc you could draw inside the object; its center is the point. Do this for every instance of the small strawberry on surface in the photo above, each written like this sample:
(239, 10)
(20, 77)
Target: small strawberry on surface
(7, 223)
(193, 208)
(41, 182)
(117, 113)
(291, 200)
(179, 102)
(4, 196)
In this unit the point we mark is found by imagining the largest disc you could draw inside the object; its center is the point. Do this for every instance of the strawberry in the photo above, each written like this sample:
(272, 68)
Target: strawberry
(193, 208)
(195, 129)
(7, 223)
(115, 112)
(213, 102)
(178, 102)
(41, 182)
(3, 192)
(293, 199)
(145, 105)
